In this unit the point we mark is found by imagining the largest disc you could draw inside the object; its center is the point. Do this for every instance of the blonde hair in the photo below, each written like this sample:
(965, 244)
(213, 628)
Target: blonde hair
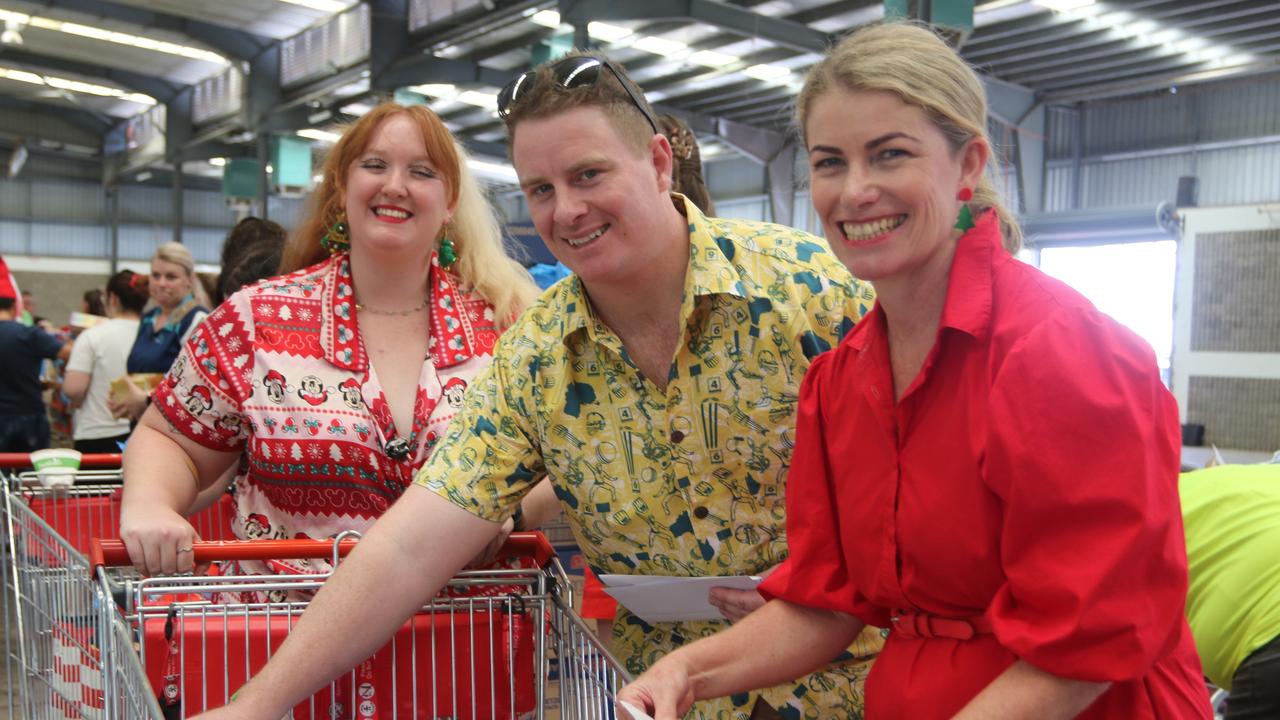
(913, 62)
(482, 263)
(178, 254)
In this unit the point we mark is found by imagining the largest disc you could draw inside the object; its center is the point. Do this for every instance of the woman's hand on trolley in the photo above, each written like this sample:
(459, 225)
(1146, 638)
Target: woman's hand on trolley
(159, 540)
(665, 691)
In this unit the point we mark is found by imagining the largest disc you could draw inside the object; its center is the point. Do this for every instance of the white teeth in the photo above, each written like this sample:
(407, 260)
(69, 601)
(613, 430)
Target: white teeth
(579, 242)
(866, 231)
(389, 212)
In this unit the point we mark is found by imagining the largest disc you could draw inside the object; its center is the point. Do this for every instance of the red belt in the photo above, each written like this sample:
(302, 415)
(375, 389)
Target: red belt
(912, 623)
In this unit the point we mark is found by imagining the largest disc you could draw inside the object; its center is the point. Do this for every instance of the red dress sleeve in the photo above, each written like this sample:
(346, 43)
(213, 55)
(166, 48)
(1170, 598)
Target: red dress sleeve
(814, 573)
(208, 384)
(1083, 449)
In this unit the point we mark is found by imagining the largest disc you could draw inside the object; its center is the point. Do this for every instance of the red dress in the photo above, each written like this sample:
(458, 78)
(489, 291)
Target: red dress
(1027, 478)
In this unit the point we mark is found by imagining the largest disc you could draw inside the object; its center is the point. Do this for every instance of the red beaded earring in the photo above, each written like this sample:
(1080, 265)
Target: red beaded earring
(965, 195)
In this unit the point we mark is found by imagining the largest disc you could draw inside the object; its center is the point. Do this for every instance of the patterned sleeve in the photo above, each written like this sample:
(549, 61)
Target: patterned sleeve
(489, 457)
(834, 301)
(1083, 450)
(205, 389)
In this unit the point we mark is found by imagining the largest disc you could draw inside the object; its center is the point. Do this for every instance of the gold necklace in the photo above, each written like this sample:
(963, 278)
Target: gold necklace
(400, 313)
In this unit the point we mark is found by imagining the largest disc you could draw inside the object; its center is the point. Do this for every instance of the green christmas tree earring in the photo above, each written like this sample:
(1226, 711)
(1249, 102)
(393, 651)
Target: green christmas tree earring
(337, 239)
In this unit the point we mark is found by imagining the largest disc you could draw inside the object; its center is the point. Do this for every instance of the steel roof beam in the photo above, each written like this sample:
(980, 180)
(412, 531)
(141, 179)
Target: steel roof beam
(90, 122)
(158, 88)
(233, 43)
(739, 20)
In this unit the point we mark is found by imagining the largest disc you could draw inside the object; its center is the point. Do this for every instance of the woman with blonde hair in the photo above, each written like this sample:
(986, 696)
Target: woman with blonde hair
(986, 464)
(179, 304)
(336, 379)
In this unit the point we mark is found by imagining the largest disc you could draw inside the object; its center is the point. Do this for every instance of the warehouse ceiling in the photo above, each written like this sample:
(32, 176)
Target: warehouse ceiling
(74, 71)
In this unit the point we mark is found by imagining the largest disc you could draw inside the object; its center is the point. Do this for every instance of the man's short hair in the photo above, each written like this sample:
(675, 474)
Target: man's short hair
(546, 98)
(8, 303)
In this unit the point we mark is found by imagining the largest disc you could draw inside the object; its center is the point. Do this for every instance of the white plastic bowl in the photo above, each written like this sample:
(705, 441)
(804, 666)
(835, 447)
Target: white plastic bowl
(56, 467)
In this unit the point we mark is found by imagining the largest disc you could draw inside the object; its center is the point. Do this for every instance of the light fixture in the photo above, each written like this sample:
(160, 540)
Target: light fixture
(660, 46)
(712, 58)
(12, 34)
(1065, 5)
(607, 32)
(546, 18)
(331, 6)
(75, 86)
(488, 101)
(493, 172)
(766, 72)
(218, 161)
(443, 91)
(104, 35)
(143, 176)
(319, 135)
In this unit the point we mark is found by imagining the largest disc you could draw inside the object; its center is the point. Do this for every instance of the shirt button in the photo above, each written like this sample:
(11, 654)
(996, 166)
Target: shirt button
(701, 512)
(677, 436)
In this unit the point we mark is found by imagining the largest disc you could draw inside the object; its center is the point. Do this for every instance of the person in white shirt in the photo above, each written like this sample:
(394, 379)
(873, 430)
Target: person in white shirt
(97, 359)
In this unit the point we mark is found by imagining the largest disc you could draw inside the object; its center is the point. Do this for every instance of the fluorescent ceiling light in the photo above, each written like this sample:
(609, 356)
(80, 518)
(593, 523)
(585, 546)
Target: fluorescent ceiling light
(546, 18)
(319, 135)
(322, 5)
(1064, 5)
(444, 91)
(660, 46)
(712, 58)
(120, 38)
(494, 172)
(488, 101)
(766, 72)
(218, 162)
(357, 109)
(75, 86)
(607, 32)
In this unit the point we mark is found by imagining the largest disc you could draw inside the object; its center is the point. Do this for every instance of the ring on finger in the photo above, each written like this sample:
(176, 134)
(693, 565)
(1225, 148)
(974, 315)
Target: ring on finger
(185, 549)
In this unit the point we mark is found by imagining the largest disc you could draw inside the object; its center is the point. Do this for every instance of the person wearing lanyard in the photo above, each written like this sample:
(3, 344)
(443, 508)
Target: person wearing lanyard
(180, 306)
(986, 464)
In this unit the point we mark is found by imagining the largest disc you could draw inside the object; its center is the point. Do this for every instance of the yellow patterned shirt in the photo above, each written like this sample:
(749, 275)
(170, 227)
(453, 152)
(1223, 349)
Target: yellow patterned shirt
(688, 481)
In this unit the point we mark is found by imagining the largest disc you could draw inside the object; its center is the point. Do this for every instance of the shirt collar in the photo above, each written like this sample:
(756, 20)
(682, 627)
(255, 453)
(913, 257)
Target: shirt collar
(969, 285)
(452, 337)
(968, 304)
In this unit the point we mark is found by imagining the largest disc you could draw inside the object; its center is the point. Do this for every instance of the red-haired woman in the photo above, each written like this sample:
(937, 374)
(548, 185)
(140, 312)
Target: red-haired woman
(330, 380)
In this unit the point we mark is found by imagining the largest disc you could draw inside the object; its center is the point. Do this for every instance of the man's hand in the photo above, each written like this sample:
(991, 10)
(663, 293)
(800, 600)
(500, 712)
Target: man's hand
(737, 604)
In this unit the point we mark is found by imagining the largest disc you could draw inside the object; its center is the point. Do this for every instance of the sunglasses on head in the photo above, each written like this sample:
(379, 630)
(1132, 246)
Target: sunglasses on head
(570, 73)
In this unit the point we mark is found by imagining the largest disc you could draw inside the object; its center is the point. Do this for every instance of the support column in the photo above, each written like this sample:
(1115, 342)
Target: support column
(113, 209)
(178, 197)
(781, 175)
(264, 180)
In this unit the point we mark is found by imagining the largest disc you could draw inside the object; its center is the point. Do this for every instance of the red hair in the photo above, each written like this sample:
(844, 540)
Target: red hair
(304, 247)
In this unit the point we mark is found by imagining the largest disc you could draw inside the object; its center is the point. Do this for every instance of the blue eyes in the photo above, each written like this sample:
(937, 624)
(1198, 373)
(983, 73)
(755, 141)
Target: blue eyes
(417, 171)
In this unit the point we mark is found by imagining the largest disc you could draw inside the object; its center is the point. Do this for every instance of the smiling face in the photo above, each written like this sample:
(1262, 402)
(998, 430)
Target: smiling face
(884, 180)
(395, 201)
(594, 197)
(169, 283)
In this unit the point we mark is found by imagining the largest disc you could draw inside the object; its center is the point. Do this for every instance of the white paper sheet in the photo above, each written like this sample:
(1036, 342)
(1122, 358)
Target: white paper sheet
(635, 712)
(662, 598)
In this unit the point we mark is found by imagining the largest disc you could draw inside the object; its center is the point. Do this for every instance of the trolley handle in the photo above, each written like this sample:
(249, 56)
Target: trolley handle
(14, 461)
(112, 553)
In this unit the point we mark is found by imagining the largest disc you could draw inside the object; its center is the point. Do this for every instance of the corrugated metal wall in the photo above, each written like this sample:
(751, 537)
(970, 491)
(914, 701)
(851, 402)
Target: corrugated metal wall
(1135, 149)
(62, 218)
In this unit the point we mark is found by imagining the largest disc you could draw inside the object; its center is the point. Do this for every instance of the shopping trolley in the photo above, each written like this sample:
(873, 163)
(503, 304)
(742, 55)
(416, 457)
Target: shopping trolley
(48, 603)
(485, 647)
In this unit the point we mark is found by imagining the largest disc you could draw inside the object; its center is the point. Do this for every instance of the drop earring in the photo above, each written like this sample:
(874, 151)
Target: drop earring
(964, 220)
(448, 256)
(336, 239)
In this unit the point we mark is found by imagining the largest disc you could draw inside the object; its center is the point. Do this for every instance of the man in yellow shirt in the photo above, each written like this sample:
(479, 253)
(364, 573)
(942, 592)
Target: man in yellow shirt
(655, 388)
